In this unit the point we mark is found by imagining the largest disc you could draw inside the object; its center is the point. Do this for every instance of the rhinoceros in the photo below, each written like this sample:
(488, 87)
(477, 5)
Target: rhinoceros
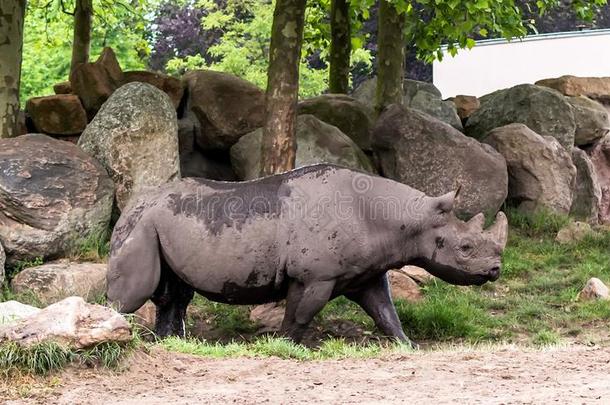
(307, 236)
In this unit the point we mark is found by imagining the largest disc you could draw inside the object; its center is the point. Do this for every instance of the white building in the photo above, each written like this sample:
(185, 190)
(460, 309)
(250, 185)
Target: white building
(497, 64)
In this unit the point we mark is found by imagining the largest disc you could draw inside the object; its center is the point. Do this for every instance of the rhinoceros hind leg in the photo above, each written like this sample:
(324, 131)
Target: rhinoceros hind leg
(133, 270)
(376, 301)
(303, 303)
(171, 298)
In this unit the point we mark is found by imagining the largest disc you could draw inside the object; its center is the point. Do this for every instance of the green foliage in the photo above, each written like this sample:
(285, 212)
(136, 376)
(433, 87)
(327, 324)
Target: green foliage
(95, 246)
(48, 36)
(16, 267)
(542, 222)
(432, 23)
(243, 50)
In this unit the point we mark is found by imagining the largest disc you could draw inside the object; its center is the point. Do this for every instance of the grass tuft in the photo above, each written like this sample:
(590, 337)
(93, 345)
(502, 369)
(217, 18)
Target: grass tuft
(46, 357)
(270, 346)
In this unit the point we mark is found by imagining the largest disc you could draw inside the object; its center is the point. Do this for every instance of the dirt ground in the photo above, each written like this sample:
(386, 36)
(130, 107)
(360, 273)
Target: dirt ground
(501, 376)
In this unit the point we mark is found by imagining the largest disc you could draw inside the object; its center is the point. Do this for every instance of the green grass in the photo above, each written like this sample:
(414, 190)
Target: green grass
(268, 346)
(94, 247)
(47, 357)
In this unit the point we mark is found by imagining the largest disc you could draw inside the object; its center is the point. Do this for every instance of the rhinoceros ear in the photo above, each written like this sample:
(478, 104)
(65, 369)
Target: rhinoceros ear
(499, 230)
(444, 203)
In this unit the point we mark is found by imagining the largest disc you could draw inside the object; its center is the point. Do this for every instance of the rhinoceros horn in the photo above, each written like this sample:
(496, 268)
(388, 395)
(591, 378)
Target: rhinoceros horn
(499, 230)
(476, 223)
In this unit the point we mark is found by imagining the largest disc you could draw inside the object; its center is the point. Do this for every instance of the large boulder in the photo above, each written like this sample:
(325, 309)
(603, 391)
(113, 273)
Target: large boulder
(587, 189)
(427, 98)
(541, 173)
(57, 115)
(600, 157)
(135, 137)
(226, 106)
(421, 96)
(52, 282)
(71, 322)
(352, 117)
(51, 193)
(94, 82)
(173, 87)
(213, 166)
(194, 162)
(544, 111)
(317, 142)
(12, 311)
(597, 88)
(591, 120)
(432, 156)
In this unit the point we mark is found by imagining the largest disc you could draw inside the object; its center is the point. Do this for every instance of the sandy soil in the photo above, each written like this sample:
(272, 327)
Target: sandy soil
(502, 376)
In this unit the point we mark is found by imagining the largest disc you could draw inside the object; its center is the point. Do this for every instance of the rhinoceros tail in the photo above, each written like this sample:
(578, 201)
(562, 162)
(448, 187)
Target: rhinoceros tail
(134, 266)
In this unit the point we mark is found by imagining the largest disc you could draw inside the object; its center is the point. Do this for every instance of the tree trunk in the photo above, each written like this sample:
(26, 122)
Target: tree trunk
(12, 13)
(390, 57)
(340, 46)
(279, 132)
(82, 32)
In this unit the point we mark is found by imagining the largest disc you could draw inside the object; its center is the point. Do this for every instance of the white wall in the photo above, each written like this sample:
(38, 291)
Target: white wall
(497, 64)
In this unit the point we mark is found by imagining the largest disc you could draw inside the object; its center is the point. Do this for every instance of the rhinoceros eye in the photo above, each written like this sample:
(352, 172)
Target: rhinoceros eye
(466, 247)
(440, 242)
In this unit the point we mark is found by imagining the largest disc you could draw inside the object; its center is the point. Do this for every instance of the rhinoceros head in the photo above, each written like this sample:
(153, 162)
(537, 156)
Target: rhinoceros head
(460, 252)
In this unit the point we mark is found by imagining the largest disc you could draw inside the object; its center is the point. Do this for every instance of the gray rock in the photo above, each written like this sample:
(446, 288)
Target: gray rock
(431, 156)
(600, 158)
(403, 287)
(12, 311)
(426, 97)
(52, 282)
(591, 120)
(70, 322)
(573, 232)
(214, 165)
(587, 190)
(317, 142)
(365, 93)
(269, 317)
(51, 193)
(421, 96)
(226, 106)
(418, 274)
(352, 117)
(543, 110)
(198, 164)
(135, 137)
(541, 173)
(94, 82)
(595, 289)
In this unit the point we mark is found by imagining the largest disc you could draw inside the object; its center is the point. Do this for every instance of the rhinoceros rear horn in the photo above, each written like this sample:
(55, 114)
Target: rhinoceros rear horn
(499, 230)
(477, 222)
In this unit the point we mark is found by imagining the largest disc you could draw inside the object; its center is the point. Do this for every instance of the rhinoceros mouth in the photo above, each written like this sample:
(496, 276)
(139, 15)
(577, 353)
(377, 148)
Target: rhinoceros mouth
(455, 276)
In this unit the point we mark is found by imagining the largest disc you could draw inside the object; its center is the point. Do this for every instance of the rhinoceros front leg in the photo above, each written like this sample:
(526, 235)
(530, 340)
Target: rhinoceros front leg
(303, 302)
(376, 300)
